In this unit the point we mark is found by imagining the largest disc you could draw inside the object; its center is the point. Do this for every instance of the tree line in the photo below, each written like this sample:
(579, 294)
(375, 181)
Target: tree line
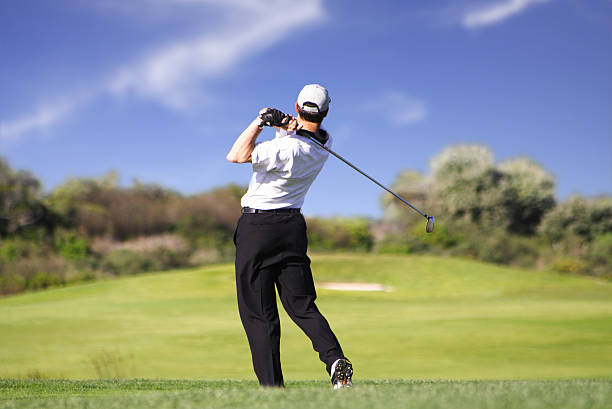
(89, 228)
(500, 212)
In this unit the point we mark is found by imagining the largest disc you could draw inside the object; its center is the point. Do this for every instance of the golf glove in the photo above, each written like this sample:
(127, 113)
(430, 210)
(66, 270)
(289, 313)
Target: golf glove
(274, 117)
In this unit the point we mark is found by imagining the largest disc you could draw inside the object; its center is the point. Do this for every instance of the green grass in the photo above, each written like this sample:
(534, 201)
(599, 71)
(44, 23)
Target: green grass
(570, 394)
(445, 319)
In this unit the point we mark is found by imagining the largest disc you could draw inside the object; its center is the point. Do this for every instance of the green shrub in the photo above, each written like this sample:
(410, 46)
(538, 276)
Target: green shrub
(165, 259)
(9, 251)
(441, 238)
(494, 245)
(578, 216)
(415, 239)
(128, 262)
(43, 280)
(100, 207)
(16, 248)
(125, 262)
(401, 244)
(32, 273)
(600, 256)
(10, 283)
(71, 247)
(20, 202)
(514, 250)
(204, 230)
(339, 233)
(569, 265)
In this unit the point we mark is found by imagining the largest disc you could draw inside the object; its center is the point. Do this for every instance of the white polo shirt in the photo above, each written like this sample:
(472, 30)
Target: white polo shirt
(283, 170)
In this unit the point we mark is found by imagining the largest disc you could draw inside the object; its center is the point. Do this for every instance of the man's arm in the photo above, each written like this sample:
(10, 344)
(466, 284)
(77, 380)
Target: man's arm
(244, 145)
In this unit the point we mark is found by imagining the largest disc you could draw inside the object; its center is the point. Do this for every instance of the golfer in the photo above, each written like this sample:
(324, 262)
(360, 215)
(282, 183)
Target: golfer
(271, 239)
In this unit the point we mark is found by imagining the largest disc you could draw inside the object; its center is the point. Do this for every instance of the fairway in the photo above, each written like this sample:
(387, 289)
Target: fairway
(443, 319)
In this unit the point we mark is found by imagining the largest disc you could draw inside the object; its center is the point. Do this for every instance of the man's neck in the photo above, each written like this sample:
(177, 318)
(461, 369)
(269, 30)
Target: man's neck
(309, 126)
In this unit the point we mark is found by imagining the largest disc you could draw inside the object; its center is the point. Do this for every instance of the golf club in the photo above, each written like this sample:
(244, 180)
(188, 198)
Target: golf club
(429, 227)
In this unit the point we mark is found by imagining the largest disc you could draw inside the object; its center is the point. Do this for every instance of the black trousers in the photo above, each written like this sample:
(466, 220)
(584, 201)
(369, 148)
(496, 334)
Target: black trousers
(271, 253)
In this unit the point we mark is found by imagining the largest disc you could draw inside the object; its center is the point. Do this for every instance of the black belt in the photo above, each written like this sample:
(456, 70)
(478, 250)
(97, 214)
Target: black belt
(283, 210)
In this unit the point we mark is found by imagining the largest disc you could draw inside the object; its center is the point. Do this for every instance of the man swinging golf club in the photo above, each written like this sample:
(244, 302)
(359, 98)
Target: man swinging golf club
(271, 239)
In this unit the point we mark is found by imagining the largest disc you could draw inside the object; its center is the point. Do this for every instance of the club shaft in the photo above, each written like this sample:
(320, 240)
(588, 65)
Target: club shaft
(368, 176)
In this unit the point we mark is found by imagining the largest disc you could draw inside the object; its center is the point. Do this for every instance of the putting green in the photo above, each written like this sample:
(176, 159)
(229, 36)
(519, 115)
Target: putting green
(445, 318)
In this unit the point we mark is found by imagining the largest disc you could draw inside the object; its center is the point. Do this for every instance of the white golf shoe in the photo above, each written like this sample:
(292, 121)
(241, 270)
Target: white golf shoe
(342, 373)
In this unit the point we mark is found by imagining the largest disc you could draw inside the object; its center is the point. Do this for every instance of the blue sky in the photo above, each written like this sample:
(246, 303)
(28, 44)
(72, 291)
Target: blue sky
(158, 90)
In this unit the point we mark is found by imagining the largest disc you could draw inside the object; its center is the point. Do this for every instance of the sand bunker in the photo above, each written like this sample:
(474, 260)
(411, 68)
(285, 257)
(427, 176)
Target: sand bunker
(354, 286)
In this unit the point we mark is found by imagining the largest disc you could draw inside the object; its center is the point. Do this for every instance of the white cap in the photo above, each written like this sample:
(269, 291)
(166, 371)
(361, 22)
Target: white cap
(315, 94)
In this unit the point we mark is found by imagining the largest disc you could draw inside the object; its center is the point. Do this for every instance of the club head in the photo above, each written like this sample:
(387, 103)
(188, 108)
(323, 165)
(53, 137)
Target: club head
(430, 224)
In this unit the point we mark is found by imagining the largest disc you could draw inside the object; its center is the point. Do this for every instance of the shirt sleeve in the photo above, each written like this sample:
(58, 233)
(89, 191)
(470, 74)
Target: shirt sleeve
(268, 154)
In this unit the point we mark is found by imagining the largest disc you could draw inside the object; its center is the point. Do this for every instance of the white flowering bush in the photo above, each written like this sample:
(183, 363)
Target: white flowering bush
(527, 194)
(469, 186)
(580, 217)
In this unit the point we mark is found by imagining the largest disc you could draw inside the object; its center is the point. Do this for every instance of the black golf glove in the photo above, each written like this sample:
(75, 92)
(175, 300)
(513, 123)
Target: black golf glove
(274, 117)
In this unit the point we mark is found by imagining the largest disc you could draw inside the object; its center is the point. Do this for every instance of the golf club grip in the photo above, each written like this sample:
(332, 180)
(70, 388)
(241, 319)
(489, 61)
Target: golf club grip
(368, 176)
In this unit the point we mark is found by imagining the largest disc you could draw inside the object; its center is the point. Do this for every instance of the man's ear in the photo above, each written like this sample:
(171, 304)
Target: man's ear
(297, 108)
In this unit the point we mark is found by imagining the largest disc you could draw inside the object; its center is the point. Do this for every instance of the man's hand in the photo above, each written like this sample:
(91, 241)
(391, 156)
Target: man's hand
(274, 117)
(292, 125)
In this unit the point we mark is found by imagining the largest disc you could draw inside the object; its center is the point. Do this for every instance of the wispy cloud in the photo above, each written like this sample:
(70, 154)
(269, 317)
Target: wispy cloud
(175, 74)
(170, 75)
(490, 14)
(43, 118)
(397, 108)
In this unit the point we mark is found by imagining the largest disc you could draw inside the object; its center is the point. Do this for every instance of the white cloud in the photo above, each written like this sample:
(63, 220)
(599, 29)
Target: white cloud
(174, 74)
(171, 74)
(46, 116)
(397, 108)
(496, 13)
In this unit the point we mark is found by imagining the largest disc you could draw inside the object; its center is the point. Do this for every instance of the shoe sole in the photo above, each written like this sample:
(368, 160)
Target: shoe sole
(343, 374)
